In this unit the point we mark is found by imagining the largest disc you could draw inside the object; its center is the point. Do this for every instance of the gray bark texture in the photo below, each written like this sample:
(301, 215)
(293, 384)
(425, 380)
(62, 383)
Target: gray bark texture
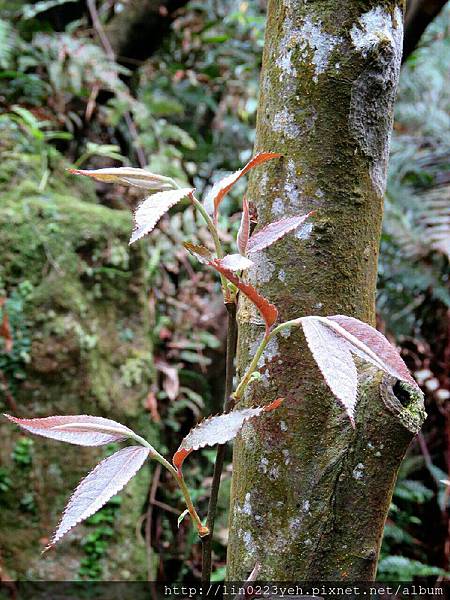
(310, 494)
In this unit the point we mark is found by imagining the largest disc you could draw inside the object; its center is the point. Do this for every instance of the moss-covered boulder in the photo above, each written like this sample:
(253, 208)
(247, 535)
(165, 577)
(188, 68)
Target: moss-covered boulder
(77, 307)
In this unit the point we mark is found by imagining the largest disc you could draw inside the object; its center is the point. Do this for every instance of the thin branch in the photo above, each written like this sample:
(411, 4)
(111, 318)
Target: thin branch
(96, 22)
(166, 507)
(149, 519)
(220, 456)
(134, 134)
(99, 30)
(9, 398)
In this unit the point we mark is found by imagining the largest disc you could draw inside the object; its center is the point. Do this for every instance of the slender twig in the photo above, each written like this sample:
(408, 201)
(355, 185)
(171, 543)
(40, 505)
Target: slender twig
(178, 476)
(220, 456)
(166, 507)
(99, 30)
(109, 51)
(240, 390)
(9, 398)
(210, 224)
(149, 519)
(251, 369)
(135, 135)
(425, 452)
(255, 572)
(217, 243)
(201, 529)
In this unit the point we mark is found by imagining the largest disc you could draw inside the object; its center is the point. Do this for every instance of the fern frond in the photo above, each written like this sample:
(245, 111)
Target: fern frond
(7, 43)
(435, 218)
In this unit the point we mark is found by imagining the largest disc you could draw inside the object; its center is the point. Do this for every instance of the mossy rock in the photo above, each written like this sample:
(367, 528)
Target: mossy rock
(77, 306)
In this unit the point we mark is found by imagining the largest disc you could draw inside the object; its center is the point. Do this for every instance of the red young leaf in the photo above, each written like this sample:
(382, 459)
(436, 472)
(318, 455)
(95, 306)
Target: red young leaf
(235, 262)
(5, 327)
(274, 231)
(244, 228)
(102, 483)
(222, 187)
(152, 209)
(82, 430)
(373, 347)
(334, 360)
(218, 430)
(128, 176)
(268, 311)
(201, 253)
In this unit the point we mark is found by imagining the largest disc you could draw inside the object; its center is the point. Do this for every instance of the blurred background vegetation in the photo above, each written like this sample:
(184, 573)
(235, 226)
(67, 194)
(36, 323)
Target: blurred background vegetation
(89, 326)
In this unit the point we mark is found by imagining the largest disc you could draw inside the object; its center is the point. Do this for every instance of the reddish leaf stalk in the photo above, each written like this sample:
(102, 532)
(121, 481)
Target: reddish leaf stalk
(178, 475)
(202, 530)
(220, 455)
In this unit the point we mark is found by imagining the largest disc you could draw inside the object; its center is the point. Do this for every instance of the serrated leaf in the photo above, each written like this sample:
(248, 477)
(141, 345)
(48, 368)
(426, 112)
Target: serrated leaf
(371, 345)
(235, 262)
(221, 188)
(153, 208)
(272, 232)
(244, 228)
(82, 430)
(128, 176)
(181, 517)
(202, 254)
(218, 430)
(102, 483)
(269, 312)
(332, 341)
(334, 360)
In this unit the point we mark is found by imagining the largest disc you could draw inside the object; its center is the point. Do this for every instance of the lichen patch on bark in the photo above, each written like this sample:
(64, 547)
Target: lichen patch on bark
(284, 122)
(262, 268)
(304, 232)
(375, 27)
(307, 39)
(377, 36)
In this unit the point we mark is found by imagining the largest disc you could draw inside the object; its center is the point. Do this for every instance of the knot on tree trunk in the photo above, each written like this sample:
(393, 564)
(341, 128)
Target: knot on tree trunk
(404, 401)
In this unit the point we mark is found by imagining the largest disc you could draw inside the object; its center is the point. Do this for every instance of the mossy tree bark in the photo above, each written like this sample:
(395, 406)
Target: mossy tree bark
(310, 494)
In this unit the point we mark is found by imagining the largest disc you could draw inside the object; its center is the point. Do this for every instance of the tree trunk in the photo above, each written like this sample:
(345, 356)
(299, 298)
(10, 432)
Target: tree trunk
(310, 494)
